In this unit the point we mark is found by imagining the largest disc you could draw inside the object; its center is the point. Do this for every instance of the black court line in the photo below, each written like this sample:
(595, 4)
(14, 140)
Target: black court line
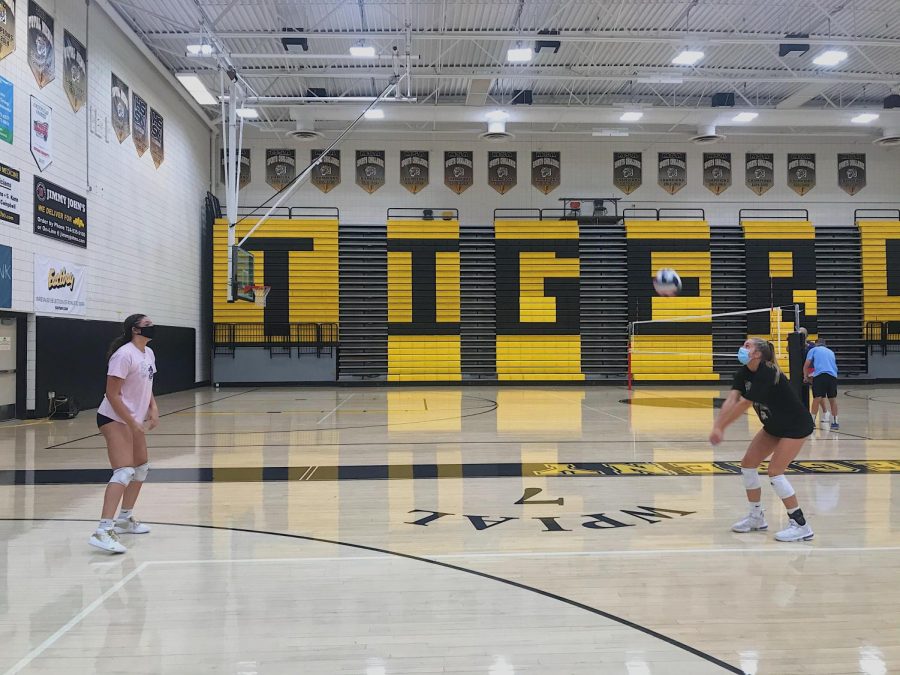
(368, 472)
(172, 412)
(457, 568)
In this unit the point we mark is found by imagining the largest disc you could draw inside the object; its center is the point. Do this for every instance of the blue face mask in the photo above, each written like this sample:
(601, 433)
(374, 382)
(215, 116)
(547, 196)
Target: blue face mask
(743, 355)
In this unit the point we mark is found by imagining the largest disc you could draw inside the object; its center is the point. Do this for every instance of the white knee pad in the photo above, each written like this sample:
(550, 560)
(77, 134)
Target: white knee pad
(782, 487)
(123, 475)
(750, 478)
(141, 471)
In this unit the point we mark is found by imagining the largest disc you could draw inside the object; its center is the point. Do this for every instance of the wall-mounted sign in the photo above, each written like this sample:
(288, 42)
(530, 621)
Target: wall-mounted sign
(60, 287)
(41, 134)
(9, 195)
(59, 213)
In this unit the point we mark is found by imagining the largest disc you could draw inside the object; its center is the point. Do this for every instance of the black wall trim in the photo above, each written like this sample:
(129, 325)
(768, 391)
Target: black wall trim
(71, 359)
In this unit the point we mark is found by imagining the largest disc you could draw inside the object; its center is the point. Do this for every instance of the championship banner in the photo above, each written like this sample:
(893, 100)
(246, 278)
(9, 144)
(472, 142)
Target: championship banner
(157, 141)
(74, 71)
(244, 177)
(628, 172)
(414, 170)
(851, 172)
(546, 171)
(139, 132)
(281, 167)
(60, 287)
(41, 130)
(7, 28)
(801, 172)
(121, 115)
(41, 56)
(717, 171)
(327, 174)
(459, 170)
(759, 171)
(672, 171)
(9, 195)
(370, 169)
(59, 214)
(502, 170)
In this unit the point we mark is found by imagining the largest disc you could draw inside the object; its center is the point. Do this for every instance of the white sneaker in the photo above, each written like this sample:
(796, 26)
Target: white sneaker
(107, 540)
(795, 532)
(826, 418)
(751, 523)
(131, 526)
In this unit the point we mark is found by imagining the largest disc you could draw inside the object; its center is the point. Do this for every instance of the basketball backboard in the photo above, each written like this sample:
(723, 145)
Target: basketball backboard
(241, 274)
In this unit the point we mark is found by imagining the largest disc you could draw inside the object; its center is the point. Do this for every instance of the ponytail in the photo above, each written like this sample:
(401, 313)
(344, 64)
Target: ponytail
(123, 339)
(767, 352)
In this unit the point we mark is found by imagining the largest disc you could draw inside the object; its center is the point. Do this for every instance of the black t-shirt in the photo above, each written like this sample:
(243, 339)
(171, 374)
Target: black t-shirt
(776, 403)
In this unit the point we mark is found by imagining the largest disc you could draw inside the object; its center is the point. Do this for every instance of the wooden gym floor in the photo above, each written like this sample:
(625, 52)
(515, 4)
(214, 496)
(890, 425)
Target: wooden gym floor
(451, 530)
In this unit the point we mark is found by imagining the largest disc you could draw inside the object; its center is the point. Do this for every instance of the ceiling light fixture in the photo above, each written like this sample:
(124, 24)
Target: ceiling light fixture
(832, 57)
(631, 116)
(864, 118)
(196, 88)
(688, 57)
(745, 117)
(247, 113)
(613, 133)
(374, 114)
(659, 79)
(199, 50)
(362, 51)
(519, 54)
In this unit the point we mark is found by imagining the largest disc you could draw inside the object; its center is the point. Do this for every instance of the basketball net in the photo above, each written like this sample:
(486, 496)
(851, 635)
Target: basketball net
(260, 293)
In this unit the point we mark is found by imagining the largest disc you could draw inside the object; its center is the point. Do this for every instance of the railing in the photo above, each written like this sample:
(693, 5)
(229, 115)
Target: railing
(291, 212)
(876, 214)
(883, 337)
(773, 214)
(429, 213)
(307, 337)
(536, 214)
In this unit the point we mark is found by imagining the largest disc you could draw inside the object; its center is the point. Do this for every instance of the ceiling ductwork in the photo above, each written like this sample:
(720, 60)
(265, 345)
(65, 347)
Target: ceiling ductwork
(707, 135)
(889, 138)
(496, 132)
(304, 127)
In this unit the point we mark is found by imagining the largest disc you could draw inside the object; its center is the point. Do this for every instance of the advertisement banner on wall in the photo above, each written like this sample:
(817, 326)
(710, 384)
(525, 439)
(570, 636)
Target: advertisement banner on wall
(7, 28)
(60, 287)
(139, 124)
(41, 134)
(6, 110)
(414, 170)
(41, 52)
(74, 71)
(244, 176)
(5, 276)
(59, 213)
(157, 141)
(9, 195)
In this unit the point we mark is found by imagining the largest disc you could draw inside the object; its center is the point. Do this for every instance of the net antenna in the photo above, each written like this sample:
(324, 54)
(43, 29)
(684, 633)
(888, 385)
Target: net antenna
(231, 180)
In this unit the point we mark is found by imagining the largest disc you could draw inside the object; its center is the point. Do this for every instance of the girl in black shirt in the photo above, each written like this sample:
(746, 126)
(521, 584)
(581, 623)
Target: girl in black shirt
(786, 424)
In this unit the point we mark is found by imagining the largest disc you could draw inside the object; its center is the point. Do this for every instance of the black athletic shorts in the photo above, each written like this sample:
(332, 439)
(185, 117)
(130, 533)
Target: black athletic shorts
(824, 385)
(103, 419)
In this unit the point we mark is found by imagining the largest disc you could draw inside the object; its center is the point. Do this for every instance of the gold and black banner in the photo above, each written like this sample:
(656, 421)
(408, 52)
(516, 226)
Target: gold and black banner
(120, 108)
(851, 172)
(139, 130)
(759, 168)
(546, 170)
(74, 71)
(370, 169)
(327, 174)
(502, 170)
(717, 171)
(414, 170)
(672, 171)
(157, 138)
(41, 45)
(244, 176)
(459, 170)
(628, 171)
(281, 167)
(801, 172)
(7, 28)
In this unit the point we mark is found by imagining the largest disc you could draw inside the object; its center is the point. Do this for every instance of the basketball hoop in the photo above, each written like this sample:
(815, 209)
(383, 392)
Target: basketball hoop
(259, 294)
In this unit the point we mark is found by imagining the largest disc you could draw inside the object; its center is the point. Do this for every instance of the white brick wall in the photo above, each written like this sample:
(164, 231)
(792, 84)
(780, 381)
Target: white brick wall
(586, 171)
(143, 251)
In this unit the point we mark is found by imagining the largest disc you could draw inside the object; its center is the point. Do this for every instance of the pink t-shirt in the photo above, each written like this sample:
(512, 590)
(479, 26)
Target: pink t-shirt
(137, 368)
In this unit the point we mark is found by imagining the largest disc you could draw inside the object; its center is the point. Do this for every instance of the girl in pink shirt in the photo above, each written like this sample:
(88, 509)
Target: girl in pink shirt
(128, 411)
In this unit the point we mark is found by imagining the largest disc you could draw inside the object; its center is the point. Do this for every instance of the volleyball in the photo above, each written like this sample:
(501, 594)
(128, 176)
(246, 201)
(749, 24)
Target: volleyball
(667, 282)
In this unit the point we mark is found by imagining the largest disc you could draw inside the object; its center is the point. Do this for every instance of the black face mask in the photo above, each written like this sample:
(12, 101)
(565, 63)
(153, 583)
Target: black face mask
(148, 332)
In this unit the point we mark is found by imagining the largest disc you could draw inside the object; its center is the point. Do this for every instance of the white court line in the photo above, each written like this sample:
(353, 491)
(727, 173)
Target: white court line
(621, 419)
(335, 409)
(75, 620)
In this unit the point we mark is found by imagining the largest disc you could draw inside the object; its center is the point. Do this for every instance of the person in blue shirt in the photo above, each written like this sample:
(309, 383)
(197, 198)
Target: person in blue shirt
(822, 366)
